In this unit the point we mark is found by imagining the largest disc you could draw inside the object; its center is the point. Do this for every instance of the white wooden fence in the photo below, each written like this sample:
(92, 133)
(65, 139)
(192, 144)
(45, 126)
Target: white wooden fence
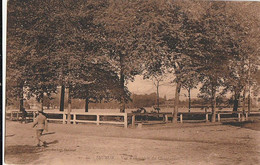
(218, 115)
(100, 117)
(181, 115)
(97, 116)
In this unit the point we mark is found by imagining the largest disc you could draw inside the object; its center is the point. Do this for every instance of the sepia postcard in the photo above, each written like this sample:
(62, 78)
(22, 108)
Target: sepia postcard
(113, 82)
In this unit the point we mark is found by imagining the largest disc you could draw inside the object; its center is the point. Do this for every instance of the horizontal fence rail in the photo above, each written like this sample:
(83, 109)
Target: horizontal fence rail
(96, 118)
(17, 115)
(129, 118)
(164, 117)
(75, 117)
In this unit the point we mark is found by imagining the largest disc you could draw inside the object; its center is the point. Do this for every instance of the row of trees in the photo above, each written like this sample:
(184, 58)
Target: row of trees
(93, 48)
(137, 101)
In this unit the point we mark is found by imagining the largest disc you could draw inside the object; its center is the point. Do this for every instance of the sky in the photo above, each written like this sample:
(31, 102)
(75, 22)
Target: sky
(140, 86)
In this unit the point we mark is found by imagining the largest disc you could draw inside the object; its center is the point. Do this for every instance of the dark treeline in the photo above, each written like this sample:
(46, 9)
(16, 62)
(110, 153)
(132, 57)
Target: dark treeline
(93, 48)
(137, 101)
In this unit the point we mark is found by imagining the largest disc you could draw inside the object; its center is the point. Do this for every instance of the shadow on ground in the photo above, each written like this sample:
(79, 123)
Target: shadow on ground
(49, 133)
(24, 154)
(253, 124)
(9, 135)
(52, 142)
(21, 154)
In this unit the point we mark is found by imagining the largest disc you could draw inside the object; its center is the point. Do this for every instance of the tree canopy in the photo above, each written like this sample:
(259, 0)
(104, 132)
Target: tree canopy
(94, 48)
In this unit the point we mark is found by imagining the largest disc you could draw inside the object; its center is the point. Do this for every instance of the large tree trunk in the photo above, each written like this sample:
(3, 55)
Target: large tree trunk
(157, 95)
(244, 104)
(249, 104)
(21, 106)
(122, 85)
(249, 101)
(21, 99)
(176, 102)
(69, 106)
(189, 99)
(86, 104)
(213, 103)
(236, 101)
(86, 99)
(62, 98)
(249, 88)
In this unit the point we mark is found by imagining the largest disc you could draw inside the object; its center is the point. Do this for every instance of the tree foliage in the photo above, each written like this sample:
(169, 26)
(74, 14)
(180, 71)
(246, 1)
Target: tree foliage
(95, 47)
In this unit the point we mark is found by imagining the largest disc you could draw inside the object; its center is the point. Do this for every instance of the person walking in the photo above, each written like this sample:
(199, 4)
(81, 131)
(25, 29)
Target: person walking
(41, 125)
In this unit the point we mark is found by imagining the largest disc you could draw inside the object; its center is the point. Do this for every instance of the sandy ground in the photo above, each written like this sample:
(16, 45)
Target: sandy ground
(187, 143)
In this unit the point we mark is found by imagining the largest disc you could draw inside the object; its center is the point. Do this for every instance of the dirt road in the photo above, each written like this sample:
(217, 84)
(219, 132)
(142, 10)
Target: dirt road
(186, 143)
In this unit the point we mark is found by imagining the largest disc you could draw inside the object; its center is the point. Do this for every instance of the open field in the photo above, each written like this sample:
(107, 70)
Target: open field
(188, 143)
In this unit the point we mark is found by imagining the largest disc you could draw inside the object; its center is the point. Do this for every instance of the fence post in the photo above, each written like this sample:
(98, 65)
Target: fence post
(33, 116)
(64, 118)
(74, 118)
(17, 116)
(218, 117)
(239, 116)
(246, 115)
(133, 121)
(207, 117)
(11, 115)
(97, 119)
(166, 118)
(181, 118)
(125, 120)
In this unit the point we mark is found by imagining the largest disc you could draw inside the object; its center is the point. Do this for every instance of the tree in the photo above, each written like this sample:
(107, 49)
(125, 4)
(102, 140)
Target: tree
(204, 46)
(218, 45)
(15, 69)
(76, 37)
(215, 44)
(104, 86)
(123, 45)
(245, 36)
(179, 38)
(23, 43)
(160, 36)
(191, 82)
(154, 71)
(64, 37)
(156, 82)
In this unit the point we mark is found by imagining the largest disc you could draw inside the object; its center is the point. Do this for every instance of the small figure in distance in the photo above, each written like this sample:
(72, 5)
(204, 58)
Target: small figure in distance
(24, 115)
(140, 110)
(41, 125)
(155, 109)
